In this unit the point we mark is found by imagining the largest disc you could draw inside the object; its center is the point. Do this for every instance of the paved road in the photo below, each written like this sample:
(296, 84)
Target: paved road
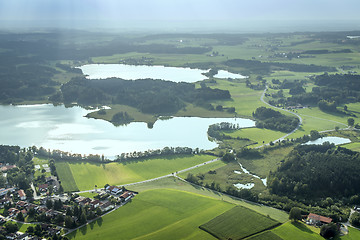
(297, 115)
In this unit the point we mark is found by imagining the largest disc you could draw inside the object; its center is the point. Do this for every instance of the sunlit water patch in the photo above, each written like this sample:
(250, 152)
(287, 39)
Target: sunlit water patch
(66, 129)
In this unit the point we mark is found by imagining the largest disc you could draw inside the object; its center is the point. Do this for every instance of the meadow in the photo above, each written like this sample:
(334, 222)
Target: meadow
(238, 223)
(76, 174)
(157, 214)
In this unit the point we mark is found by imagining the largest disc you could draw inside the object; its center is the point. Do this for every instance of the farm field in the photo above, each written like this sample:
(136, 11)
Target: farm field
(268, 235)
(177, 184)
(238, 223)
(122, 173)
(178, 215)
(66, 177)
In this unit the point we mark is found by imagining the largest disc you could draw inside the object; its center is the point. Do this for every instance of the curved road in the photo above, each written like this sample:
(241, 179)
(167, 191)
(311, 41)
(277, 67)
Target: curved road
(297, 115)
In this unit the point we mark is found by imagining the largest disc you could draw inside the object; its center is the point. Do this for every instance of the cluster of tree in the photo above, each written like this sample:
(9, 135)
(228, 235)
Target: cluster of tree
(271, 119)
(166, 151)
(333, 208)
(259, 67)
(148, 95)
(249, 153)
(121, 118)
(316, 171)
(331, 90)
(21, 175)
(325, 51)
(215, 130)
(61, 155)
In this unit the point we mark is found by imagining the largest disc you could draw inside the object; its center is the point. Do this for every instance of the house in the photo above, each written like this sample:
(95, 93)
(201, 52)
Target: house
(108, 189)
(3, 201)
(126, 196)
(22, 194)
(21, 204)
(106, 206)
(113, 190)
(43, 188)
(7, 167)
(315, 219)
(85, 201)
(4, 191)
(79, 199)
(13, 212)
(95, 204)
(24, 212)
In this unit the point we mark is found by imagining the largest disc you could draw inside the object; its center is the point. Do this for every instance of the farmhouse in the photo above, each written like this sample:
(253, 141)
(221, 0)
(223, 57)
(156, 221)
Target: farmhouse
(113, 190)
(126, 196)
(22, 194)
(43, 188)
(315, 219)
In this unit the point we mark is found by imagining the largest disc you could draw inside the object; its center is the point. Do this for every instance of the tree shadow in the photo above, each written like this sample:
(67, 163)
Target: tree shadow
(99, 222)
(83, 230)
(92, 225)
(301, 227)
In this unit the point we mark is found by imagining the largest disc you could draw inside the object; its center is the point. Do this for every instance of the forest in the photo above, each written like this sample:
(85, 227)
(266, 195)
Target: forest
(147, 95)
(317, 171)
(274, 120)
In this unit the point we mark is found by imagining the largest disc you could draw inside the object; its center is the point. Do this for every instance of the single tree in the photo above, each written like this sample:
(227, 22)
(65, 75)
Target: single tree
(329, 230)
(295, 214)
(351, 122)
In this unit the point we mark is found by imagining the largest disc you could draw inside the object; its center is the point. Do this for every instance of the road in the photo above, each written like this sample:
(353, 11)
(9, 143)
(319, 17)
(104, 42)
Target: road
(297, 115)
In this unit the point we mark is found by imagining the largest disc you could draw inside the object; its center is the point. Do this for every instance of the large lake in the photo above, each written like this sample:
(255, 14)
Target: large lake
(133, 72)
(68, 130)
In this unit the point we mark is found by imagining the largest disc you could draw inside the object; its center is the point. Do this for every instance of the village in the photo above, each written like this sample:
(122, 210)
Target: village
(47, 212)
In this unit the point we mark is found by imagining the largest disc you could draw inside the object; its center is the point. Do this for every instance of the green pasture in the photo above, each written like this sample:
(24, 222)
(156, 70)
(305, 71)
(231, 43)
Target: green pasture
(175, 183)
(157, 214)
(203, 169)
(270, 161)
(86, 175)
(258, 135)
(296, 231)
(238, 223)
(352, 146)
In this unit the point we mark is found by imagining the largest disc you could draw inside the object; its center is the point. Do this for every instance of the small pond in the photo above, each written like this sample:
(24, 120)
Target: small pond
(334, 140)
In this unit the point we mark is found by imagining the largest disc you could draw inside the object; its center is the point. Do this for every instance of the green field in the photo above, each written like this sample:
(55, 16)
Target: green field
(203, 169)
(85, 175)
(175, 183)
(157, 214)
(353, 146)
(66, 177)
(258, 135)
(268, 235)
(296, 231)
(238, 223)
(270, 161)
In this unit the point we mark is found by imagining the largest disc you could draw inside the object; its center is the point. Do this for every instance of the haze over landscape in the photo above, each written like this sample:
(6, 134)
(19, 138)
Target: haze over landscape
(183, 15)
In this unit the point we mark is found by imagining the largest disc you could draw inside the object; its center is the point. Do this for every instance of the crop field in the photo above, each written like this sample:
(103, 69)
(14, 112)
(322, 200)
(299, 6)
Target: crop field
(268, 235)
(238, 223)
(65, 175)
(157, 214)
(86, 175)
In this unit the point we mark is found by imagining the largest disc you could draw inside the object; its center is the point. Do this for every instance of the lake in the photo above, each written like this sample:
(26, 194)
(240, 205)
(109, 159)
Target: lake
(334, 140)
(133, 72)
(66, 129)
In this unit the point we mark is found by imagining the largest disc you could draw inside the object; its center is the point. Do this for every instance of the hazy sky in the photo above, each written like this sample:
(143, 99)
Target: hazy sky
(74, 12)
